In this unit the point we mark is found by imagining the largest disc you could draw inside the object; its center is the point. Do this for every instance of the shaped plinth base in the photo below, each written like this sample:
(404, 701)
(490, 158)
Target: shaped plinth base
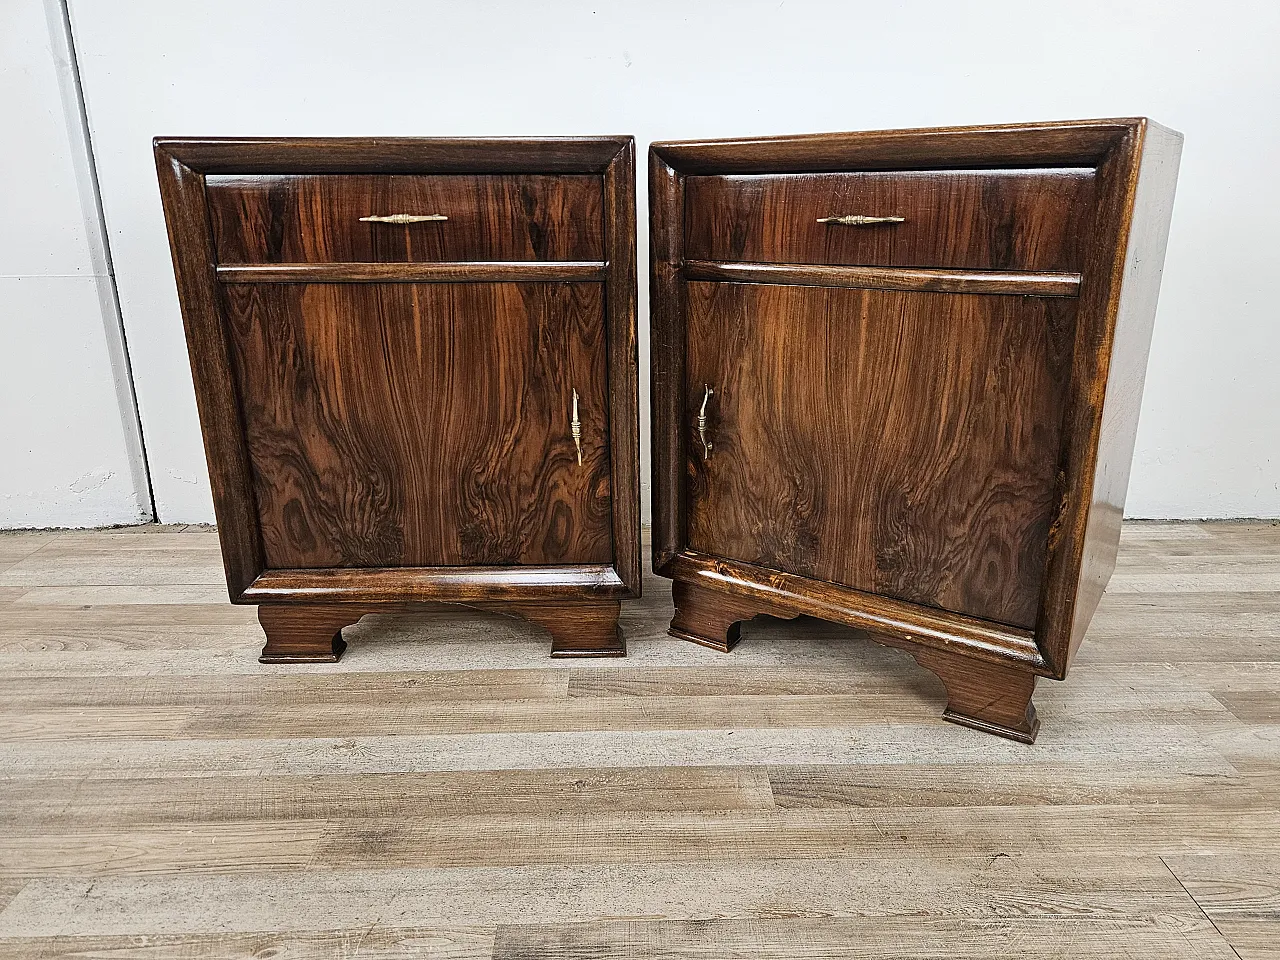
(983, 694)
(312, 632)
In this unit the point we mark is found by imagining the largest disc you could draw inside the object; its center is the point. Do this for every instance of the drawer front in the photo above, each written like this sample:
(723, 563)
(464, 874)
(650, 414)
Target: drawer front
(904, 444)
(424, 425)
(316, 219)
(978, 219)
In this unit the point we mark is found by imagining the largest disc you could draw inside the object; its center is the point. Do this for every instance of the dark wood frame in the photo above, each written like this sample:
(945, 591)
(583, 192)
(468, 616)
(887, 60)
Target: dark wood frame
(1136, 162)
(182, 165)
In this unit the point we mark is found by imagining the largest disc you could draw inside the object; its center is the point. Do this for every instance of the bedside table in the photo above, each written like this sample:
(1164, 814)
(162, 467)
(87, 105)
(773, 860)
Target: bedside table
(896, 380)
(415, 364)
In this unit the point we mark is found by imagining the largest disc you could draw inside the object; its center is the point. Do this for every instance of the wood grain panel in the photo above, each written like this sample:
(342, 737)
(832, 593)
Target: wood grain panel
(285, 218)
(1132, 297)
(624, 361)
(667, 358)
(424, 424)
(979, 219)
(905, 444)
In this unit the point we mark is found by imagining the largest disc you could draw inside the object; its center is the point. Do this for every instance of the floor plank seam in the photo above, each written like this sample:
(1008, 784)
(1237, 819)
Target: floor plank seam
(1204, 913)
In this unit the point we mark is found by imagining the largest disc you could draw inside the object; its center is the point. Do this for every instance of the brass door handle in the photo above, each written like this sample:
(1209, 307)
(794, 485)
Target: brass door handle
(702, 422)
(575, 428)
(858, 220)
(404, 218)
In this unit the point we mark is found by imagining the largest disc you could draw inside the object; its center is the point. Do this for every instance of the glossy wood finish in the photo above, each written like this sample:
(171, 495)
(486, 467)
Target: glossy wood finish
(387, 415)
(424, 425)
(623, 358)
(764, 590)
(711, 618)
(889, 278)
(450, 584)
(164, 797)
(484, 272)
(383, 155)
(1075, 143)
(667, 386)
(577, 629)
(1077, 360)
(903, 444)
(305, 633)
(209, 352)
(312, 633)
(1146, 202)
(976, 219)
(991, 697)
(316, 219)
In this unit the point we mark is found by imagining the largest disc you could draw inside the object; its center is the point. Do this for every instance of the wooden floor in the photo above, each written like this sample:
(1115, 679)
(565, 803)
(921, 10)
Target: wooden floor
(447, 791)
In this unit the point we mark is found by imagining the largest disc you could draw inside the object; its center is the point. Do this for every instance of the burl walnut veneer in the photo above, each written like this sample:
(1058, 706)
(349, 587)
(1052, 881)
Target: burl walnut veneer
(415, 364)
(896, 381)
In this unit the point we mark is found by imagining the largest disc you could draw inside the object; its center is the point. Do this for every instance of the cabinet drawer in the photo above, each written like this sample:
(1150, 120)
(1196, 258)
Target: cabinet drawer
(317, 219)
(1017, 219)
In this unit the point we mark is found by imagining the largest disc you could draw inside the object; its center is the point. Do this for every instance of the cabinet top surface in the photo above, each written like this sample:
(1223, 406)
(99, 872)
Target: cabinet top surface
(1066, 142)
(393, 154)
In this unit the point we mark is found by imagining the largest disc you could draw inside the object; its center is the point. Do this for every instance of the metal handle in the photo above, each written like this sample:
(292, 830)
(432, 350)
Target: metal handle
(575, 428)
(858, 220)
(404, 218)
(702, 422)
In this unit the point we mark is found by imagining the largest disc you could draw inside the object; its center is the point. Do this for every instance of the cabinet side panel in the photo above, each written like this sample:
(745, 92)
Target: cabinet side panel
(667, 357)
(624, 361)
(1135, 318)
(186, 215)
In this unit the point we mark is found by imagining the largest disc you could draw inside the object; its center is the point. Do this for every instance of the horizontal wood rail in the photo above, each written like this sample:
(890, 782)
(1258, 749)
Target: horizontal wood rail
(889, 278)
(467, 272)
(437, 584)
(889, 619)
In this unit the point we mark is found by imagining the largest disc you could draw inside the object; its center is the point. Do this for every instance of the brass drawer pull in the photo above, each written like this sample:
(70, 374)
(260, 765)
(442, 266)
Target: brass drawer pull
(702, 422)
(404, 218)
(858, 220)
(575, 428)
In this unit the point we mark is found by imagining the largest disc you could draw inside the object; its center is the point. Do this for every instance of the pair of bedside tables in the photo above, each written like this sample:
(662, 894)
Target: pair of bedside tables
(896, 379)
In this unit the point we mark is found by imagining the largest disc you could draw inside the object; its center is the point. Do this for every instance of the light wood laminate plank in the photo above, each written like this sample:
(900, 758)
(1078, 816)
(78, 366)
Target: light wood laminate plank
(447, 791)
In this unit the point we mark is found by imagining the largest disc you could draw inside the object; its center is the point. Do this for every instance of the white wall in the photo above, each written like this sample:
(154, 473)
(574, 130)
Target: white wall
(673, 68)
(69, 451)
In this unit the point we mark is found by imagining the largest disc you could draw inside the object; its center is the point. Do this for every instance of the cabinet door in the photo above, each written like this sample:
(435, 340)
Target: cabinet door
(424, 424)
(905, 444)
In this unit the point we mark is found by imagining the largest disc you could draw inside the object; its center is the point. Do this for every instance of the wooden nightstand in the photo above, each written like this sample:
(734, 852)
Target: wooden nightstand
(415, 362)
(896, 380)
